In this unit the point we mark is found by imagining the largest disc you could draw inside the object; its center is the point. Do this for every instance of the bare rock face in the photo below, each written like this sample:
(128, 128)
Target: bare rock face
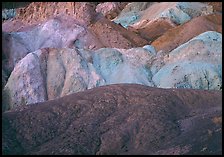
(64, 31)
(48, 74)
(85, 12)
(207, 47)
(75, 25)
(40, 11)
(177, 12)
(217, 6)
(58, 32)
(183, 33)
(136, 6)
(118, 119)
(110, 9)
(60, 72)
(195, 64)
(37, 12)
(124, 65)
(131, 13)
(169, 10)
(29, 92)
(115, 36)
(76, 82)
(153, 29)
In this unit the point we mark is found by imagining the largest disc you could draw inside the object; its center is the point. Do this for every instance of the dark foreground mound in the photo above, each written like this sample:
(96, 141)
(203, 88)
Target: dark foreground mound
(118, 119)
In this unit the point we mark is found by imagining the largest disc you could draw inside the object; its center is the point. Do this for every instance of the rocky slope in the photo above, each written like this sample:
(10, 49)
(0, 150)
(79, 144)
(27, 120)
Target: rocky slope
(118, 119)
(51, 73)
(47, 74)
(176, 36)
(111, 9)
(177, 12)
(64, 31)
(55, 55)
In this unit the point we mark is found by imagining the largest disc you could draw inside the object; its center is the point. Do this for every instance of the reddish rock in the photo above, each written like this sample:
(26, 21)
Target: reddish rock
(84, 12)
(118, 119)
(113, 35)
(154, 29)
(70, 33)
(37, 12)
(183, 33)
(110, 9)
(217, 6)
(47, 74)
(40, 11)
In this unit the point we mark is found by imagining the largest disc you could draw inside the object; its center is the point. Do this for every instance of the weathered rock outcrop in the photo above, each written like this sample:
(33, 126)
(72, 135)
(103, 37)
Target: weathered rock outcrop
(66, 32)
(124, 66)
(47, 74)
(76, 82)
(154, 29)
(110, 9)
(51, 73)
(40, 11)
(131, 13)
(195, 64)
(118, 119)
(217, 6)
(177, 12)
(183, 33)
(152, 21)
(59, 32)
(115, 36)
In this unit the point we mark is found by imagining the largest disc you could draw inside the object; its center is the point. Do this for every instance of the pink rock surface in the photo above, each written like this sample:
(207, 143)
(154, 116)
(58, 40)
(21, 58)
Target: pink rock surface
(110, 9)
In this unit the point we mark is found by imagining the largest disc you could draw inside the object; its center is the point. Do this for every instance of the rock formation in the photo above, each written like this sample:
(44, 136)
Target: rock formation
(112, 78)
(177, 12)
(118, 119)
(50, 73)
(191, 65)
(183, 33)
(64, 31)
(110, 9)
(195, 64)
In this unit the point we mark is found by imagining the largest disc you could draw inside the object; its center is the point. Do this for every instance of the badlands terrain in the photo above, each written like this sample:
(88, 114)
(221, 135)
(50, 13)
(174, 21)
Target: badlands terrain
(112, 78)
